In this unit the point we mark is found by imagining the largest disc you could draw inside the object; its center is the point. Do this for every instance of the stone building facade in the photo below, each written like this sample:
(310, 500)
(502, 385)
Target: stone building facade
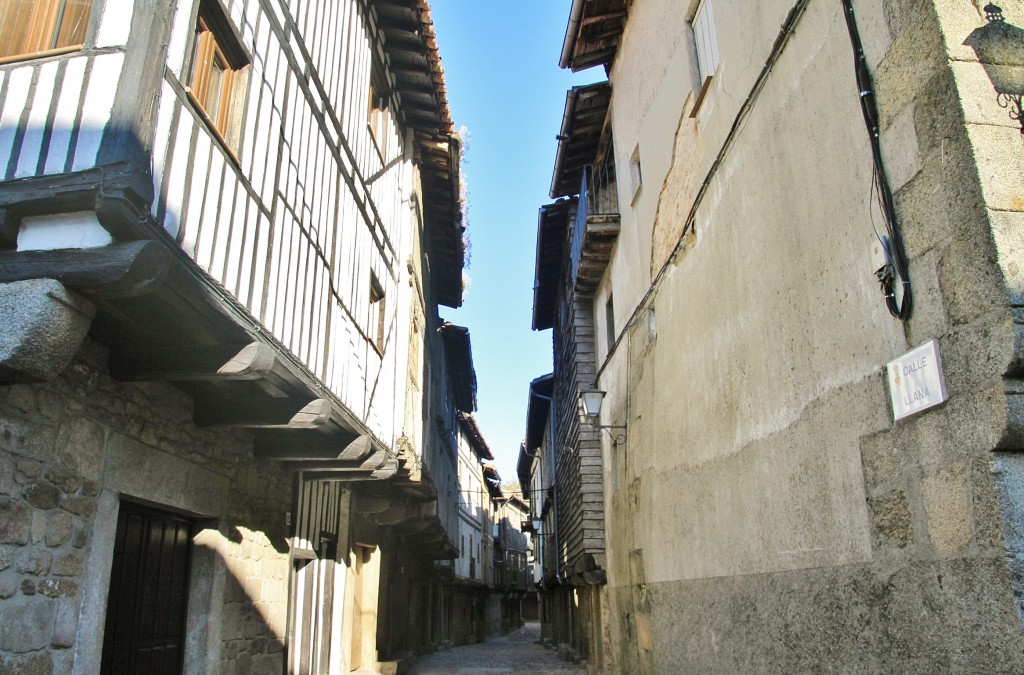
(765, 513)
(72, 449)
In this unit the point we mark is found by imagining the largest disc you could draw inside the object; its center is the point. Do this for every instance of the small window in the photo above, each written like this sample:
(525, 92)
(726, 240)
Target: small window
(636, 179)
(378, 115)
(30, 28)
(609, 321)
(217, 60)
(375, 320)
(705, 39)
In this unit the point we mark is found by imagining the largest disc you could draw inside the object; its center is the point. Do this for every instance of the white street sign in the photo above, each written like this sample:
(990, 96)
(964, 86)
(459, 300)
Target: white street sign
(916, 381)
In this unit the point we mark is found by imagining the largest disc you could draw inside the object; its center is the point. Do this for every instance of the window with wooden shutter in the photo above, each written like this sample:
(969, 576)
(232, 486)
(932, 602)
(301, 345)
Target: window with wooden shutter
(31, 28)
(377, 314)
(706, 39)
(378, 116)
(217, 60)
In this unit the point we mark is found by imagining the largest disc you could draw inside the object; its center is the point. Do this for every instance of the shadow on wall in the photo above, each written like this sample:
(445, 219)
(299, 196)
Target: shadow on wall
(999, 47)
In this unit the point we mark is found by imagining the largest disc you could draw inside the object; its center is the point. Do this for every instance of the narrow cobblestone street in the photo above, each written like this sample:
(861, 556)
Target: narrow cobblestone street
(517, 652)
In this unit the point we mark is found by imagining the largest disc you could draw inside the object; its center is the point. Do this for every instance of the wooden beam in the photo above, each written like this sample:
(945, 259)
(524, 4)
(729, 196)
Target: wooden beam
(331, 465)
(118, 270)
(288, 445)
(262, 412)
(375, 461)
(389, 468)
(335, 477)
(254, 361)
(359, 448)
(313, 415)
(230, 362)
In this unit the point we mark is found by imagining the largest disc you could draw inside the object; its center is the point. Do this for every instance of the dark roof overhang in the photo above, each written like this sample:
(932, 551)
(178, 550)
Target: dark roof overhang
(493, 481)
(459, 357)
(476, 438)
(552, 226)
(422, 102)
(593, 33)
(537, 410)
(583, 124)
(524, 466)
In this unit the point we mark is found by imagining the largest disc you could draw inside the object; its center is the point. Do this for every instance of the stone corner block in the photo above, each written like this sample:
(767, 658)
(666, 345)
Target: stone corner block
(44, 327)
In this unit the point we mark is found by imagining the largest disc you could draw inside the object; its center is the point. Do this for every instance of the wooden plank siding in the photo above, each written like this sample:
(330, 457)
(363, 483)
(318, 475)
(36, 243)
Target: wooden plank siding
(578, 464)
(320, 509)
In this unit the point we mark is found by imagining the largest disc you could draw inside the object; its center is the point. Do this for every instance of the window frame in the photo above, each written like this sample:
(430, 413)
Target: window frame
(377, 314)
(215, 39)
(47, 18)
(705, 48)
(378, 111)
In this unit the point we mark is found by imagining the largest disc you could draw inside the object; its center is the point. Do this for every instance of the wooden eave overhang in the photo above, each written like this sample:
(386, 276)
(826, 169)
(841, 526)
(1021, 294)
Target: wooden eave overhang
(422, 99)
(493, 481)
(552, 227)
(475, 436)
(583, 123)
(537, 410)
(593, 33)
(459, 358)
(163, 319)
(524, 466)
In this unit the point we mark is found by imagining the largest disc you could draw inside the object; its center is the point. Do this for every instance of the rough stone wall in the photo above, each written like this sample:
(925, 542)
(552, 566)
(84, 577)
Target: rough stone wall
(770, 516)
(69, 450)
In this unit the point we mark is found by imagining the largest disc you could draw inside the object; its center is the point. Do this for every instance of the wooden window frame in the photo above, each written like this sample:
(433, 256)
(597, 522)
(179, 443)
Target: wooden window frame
(378, 113)
(377, 314)
(216, 40)
(46, 22)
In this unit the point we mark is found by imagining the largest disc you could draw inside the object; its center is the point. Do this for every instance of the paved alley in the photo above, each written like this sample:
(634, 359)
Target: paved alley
(517, 652)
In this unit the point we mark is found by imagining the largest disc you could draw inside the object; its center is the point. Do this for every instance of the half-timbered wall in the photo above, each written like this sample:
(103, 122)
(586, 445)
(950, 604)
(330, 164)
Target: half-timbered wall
(53, 110)
(294, 213)
(296, 218)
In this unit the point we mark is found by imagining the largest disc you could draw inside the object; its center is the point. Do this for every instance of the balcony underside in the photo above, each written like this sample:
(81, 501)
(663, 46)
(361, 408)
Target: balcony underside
(602, 231)
(161, 323)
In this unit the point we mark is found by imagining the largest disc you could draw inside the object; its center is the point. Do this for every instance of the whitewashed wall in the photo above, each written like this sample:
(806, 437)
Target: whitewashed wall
(473, 502)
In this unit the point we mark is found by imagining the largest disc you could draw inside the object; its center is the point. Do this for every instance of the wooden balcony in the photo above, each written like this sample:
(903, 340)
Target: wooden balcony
(596, 228)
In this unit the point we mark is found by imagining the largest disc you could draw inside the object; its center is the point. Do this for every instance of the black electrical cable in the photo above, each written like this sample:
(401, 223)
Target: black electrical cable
(895, 266)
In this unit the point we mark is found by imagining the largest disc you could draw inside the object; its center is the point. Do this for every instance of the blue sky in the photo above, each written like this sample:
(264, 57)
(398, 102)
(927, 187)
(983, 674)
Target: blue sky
(505, 87)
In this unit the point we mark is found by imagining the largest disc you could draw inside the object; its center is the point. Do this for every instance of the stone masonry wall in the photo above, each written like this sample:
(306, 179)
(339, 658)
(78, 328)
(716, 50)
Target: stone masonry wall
(772, 516)
(70, 449)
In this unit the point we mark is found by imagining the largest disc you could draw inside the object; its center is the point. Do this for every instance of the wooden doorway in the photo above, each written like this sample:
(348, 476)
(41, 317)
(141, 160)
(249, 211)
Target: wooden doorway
(148, 598)
(312, 620)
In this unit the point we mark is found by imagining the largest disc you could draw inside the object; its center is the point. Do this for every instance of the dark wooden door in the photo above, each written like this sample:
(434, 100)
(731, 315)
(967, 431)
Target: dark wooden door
(145, 627)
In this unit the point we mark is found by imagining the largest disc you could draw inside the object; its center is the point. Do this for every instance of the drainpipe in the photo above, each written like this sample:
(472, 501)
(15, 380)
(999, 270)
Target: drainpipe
(569, 43)
(563, 142)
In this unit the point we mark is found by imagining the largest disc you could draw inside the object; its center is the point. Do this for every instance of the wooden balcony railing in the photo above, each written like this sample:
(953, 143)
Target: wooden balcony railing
(596, 228)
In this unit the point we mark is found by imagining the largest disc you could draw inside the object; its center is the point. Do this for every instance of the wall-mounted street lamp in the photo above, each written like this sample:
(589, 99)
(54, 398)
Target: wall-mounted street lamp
(999, 46)
(591, 400)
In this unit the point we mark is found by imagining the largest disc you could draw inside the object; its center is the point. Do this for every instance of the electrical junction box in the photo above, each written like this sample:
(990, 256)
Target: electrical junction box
(916, 381)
